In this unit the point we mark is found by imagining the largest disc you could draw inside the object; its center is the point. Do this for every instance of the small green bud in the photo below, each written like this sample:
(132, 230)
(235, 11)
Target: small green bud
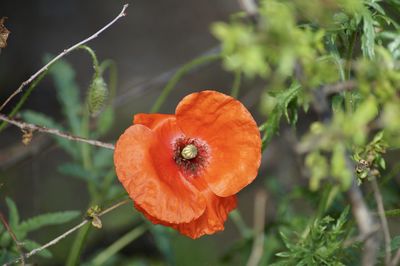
(97, 96)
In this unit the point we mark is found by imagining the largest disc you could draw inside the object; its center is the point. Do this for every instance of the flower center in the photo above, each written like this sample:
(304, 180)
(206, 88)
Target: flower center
(191, 155)
(189, 152)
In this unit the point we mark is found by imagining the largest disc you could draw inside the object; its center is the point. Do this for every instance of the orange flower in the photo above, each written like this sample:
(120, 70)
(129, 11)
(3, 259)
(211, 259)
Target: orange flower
(184, 170)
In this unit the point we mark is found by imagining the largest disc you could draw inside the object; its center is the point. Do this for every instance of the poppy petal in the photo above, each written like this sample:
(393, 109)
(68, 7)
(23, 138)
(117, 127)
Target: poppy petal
(151, 120)
(210, 222)
(213, 218)
(152, 179)
(232, 135)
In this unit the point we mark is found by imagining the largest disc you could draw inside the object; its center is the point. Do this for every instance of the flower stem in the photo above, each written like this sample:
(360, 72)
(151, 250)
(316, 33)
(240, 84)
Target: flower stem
(237, 219)
(132, 235)
(85, 148)
(93, 55)
(236, 84)
(77, 246)
(179, 74)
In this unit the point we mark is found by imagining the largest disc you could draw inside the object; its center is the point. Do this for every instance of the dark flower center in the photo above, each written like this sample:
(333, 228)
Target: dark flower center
(190, 155)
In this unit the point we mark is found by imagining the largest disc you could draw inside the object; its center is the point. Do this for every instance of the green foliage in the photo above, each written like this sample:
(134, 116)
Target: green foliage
(22, 228)
(91, 165)
(42, 220)
(320, 244)
(13, 213)
(276, 105)
(78, 122)
(67, 93)
(301, 49)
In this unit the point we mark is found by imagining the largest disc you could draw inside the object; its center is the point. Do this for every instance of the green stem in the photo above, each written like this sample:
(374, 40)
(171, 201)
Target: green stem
(85, 148)
(77, 246)
(23, 98)
(237, 219)
(178, 75)
(80, 239)
(236, 84)
(95, 61)
(119, 244)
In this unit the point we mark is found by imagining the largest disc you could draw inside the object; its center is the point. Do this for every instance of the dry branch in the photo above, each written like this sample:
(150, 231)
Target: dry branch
(382, 217)
(365, 223)
(13, 236)
(64, 235)
(63, 53)
(260, 205)
(32, 127)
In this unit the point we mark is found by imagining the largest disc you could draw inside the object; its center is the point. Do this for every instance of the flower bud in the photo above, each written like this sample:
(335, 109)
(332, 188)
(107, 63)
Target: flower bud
(97, 95)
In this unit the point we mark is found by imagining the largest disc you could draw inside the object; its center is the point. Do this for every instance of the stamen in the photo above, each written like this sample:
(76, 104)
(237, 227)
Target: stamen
(189, 152)
(191, 155)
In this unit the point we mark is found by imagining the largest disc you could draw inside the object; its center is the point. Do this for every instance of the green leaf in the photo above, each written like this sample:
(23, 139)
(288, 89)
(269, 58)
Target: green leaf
(377, 7)
(368, 37)
(76, 170)
(13, 216)
(103, 158)
(395, 243)
(46, 121)
(283, 99)
(45, 220)
(67, 92)
(30, 245)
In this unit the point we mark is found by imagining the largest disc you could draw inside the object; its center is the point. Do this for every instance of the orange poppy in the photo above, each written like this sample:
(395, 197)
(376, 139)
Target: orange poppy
(184, 170)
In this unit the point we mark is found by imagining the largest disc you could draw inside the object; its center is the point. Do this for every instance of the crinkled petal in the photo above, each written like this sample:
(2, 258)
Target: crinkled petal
(151, 120)
(150, 176)
(232, 135)
(210, 222)
(213, 218)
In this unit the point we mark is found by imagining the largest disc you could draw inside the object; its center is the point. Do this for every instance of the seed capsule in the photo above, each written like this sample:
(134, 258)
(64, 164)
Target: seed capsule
(189, 152)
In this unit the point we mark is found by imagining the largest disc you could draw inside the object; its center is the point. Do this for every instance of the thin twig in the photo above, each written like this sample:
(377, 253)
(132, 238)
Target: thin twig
(260, 204)
(63, 53)
(52, 131)
(365, 223)
(70, 231)
(339, 87)
(384, 223)
(18, 244)
(361, 237)
(249, 6)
